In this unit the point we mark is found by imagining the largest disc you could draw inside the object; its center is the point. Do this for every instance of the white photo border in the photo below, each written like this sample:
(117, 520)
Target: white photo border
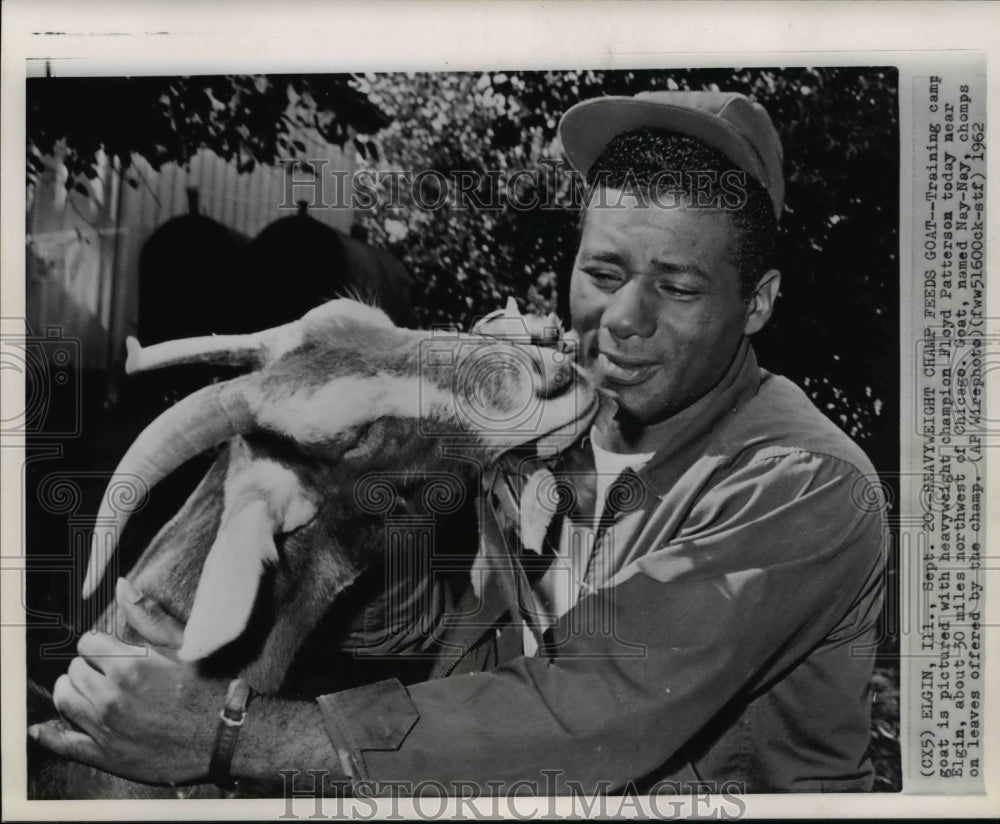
(172, 37)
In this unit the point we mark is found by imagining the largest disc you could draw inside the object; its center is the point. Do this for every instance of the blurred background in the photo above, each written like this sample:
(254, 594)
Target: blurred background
(165, 207)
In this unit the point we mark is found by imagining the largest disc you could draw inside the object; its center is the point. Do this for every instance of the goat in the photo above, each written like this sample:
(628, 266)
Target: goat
(277, 527)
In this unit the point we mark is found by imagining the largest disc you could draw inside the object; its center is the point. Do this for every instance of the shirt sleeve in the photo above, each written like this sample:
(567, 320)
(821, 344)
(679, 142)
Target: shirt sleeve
(769, 563)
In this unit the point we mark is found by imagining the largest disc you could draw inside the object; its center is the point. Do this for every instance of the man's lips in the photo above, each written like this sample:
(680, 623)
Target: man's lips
(624, 371)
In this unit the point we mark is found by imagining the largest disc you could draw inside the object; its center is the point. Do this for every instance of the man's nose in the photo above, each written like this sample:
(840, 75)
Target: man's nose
(628, 313)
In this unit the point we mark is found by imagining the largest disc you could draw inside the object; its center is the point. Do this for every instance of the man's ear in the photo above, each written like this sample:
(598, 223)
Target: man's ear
(760, 306)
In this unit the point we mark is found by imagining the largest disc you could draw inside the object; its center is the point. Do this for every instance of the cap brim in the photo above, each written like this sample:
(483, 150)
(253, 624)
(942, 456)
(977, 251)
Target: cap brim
(588, 127)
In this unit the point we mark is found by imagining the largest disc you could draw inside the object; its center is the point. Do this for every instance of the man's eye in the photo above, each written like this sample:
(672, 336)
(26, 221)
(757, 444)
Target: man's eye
(604, 278)
(678, 291)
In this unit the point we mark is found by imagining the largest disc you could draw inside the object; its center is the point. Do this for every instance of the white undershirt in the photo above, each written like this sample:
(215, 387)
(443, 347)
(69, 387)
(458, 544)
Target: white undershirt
(609, 465)
(559, 588)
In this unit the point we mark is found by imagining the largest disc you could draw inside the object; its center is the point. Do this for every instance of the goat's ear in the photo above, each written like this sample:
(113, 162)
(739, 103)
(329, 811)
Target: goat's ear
(229, 581)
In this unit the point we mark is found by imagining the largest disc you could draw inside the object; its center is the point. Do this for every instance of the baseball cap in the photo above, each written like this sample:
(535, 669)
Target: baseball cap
(727, 121)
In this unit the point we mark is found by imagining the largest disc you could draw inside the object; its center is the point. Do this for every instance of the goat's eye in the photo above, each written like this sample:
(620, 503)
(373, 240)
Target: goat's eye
(369, 442)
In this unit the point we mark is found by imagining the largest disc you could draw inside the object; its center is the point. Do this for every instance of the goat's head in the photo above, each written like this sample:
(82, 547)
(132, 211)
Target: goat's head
(338, 393)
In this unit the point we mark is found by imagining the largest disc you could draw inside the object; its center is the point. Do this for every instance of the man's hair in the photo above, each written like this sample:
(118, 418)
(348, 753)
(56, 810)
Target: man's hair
(660, 163)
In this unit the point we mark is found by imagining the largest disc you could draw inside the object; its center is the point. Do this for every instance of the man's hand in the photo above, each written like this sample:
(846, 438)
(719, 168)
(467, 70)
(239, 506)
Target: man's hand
(141, 713)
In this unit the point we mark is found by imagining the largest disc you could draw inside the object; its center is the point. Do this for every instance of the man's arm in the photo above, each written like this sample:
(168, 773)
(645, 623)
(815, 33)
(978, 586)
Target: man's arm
(146, 716)
(775, 559)
(769, 565)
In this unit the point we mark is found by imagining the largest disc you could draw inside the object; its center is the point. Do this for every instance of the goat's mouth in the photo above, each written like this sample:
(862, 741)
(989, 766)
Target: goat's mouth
(560, 437)
(560, 419)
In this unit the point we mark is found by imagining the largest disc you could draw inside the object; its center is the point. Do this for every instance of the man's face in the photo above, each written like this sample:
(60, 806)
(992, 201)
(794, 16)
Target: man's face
(656, 300)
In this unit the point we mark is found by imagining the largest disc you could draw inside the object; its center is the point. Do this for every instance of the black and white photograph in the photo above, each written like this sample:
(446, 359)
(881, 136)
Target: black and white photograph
(586, 439)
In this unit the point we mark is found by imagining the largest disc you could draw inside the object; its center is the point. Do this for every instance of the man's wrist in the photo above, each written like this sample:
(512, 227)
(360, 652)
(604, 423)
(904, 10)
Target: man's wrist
(283, 744)
(231, 719)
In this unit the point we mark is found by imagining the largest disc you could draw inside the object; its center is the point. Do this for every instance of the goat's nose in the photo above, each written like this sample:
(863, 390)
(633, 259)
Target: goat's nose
(556, 367)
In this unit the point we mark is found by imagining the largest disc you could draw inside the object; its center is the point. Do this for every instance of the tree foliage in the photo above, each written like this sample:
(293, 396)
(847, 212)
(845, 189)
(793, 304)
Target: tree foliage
(244, 119)
(835, 331)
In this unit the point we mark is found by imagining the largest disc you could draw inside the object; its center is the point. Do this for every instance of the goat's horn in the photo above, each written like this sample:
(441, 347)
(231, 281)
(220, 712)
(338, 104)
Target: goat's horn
(204, 419)
(256, 350)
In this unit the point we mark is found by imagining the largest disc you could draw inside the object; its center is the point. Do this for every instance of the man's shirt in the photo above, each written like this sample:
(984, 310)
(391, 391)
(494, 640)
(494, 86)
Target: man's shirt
(726, 632)
(562, 584)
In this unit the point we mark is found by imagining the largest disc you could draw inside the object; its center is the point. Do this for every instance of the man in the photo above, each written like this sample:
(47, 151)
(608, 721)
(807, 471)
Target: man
(701, 608)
